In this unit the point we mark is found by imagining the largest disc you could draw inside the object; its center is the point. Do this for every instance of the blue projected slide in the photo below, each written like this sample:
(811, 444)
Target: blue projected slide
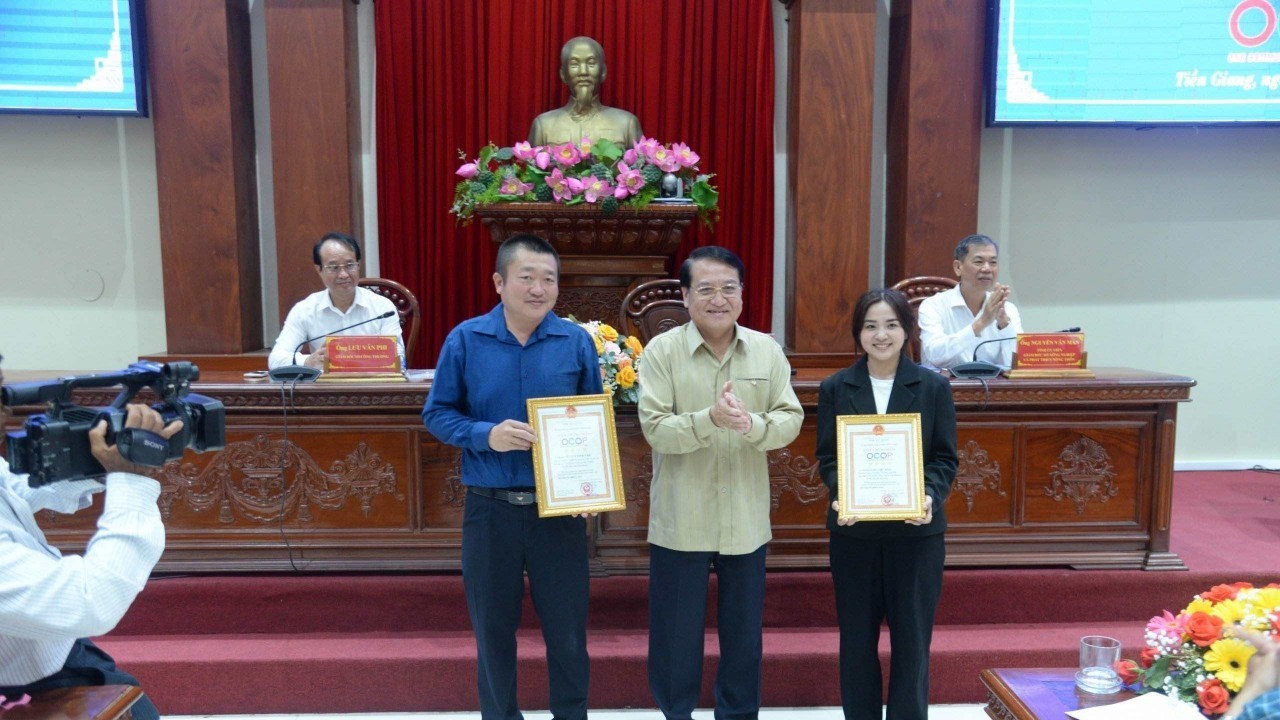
(1134, 61)
(71, 56)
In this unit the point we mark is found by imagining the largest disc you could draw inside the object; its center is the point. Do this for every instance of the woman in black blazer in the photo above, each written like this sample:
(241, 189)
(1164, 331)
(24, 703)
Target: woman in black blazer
(888, 569)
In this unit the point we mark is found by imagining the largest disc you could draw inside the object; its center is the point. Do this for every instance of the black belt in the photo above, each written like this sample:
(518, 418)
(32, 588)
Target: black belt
(515, 497)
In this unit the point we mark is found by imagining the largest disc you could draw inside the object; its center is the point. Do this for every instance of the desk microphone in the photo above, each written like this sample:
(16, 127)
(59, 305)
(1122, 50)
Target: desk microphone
(302, 373)
(976, 368)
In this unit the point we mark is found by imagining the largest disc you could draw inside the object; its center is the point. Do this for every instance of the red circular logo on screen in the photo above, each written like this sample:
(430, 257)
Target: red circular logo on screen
(1268, 12)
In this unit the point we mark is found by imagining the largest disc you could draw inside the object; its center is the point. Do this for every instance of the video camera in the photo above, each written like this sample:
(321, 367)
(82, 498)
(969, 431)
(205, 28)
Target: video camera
(55, 446)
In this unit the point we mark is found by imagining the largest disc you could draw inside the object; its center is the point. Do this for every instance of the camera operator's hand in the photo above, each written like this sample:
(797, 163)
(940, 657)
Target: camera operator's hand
(137, 416)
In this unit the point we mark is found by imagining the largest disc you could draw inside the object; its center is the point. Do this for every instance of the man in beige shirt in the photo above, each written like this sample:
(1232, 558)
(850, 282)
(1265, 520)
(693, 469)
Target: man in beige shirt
(714, 398)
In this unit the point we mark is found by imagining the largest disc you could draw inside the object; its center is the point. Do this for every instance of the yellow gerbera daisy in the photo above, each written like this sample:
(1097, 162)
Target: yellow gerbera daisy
(1227, 659)
(1268, 599)
(1198, 605)
(1231, 611)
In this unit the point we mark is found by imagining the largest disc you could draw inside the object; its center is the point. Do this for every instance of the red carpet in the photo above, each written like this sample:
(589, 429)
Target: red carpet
(351, 643)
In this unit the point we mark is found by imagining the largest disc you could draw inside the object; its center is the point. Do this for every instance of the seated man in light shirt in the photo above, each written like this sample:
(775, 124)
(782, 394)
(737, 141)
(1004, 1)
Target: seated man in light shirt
(954, 322)
(343, 302)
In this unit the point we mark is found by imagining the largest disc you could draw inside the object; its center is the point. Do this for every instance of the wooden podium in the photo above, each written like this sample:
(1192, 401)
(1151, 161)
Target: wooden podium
(602, 255)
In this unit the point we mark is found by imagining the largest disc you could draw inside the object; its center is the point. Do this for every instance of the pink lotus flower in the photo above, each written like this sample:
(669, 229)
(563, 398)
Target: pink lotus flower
(468, 170)
(594, 188)
(566, 155)
(629, 157)
(629, 181)
(685, 156)
(524, 151)
(665, 159)
(542, 159)
(563, 188)
(584, 147)
(511, 185)
(646, 146)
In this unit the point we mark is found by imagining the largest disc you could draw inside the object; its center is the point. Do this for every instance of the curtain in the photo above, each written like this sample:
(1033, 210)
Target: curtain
(452, 76)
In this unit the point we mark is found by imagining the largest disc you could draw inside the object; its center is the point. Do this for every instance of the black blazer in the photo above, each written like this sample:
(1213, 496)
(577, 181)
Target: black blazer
(915, 390)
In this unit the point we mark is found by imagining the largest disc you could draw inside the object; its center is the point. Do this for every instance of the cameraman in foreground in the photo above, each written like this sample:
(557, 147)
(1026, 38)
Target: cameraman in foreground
(50, 604)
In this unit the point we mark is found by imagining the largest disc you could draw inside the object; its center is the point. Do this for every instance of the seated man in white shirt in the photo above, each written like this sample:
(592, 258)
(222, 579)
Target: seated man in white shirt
(50, 603)
(954, 322)
(343, 302)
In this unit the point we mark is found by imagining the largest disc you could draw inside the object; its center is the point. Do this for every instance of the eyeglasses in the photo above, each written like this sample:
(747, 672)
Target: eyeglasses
(728, 290)
(348, 268)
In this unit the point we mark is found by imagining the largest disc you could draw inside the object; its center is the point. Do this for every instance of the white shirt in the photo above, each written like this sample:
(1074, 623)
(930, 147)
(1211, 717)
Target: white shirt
(881, 389)
(316, 315)
(47, 600)
(946, 332)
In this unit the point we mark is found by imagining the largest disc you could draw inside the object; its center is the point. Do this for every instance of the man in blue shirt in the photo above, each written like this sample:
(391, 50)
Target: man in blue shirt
(489, 366)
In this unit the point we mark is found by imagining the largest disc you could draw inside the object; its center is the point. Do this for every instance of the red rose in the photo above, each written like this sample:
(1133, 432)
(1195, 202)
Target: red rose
(1242, 586)
(1213, 697)
(1127, 670)
(1218, 593)
(1147, 657)
(1204, 628)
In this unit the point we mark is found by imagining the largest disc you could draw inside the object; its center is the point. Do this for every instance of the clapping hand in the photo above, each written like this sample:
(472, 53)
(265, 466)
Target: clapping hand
(729, 412)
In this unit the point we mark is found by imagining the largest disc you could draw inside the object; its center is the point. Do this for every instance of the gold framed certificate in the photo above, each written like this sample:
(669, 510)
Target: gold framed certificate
(575, 455)
(880, 467)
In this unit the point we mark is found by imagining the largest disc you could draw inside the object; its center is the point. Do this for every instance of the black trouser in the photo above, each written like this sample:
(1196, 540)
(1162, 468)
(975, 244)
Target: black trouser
(87, 664)
(900, 579)
(677, 625)
(500, 542)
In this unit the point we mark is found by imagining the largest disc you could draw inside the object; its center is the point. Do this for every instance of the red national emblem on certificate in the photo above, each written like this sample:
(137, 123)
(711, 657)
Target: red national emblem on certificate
(586, 488)
(877, 430)
(887, 499)
(571, 412)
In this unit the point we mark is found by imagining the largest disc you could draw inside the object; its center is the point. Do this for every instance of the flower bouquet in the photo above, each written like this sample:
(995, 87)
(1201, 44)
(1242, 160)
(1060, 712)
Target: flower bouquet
(596, 172)
(619, 360)
(1191, 658)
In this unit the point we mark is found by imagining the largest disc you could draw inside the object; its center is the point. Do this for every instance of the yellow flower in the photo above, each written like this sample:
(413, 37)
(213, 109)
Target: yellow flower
(1231, 611)
(626, 377)
(1198, 605)
(633, 344)
(599, 345)
(1267, 599)
(1227, 659)
(608, 333)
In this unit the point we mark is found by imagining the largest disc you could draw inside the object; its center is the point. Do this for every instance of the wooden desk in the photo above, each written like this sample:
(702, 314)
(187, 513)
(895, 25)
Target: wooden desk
(1039, 694)
(102, 702)
(1052, 472)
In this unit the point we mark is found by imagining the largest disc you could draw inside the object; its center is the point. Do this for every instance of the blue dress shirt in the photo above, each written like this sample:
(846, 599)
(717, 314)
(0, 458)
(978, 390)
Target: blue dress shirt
(484, 376)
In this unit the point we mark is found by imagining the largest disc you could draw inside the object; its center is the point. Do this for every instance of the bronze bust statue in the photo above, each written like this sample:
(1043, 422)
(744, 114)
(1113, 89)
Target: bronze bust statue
(582, 68)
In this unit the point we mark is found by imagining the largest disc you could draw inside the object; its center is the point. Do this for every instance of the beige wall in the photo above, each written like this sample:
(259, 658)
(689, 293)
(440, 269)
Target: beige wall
(80, 280)
(1164, 246)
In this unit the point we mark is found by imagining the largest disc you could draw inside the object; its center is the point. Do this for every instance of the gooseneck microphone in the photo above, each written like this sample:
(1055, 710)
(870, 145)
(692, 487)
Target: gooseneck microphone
(976, 368)
(303, 373)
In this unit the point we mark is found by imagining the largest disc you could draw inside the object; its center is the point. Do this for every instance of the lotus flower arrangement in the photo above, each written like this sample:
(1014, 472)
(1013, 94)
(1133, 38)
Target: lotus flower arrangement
(1193, 656)
(598, 172)
(619, 360)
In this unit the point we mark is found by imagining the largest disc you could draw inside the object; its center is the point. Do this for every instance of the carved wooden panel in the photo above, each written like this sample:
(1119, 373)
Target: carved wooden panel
(1085, 475)
(1074, 476)
(983, 493)
(263, 480)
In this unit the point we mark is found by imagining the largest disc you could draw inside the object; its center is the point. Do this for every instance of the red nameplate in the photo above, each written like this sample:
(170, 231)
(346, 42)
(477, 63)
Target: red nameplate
(1050, 355)
(362, 354)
